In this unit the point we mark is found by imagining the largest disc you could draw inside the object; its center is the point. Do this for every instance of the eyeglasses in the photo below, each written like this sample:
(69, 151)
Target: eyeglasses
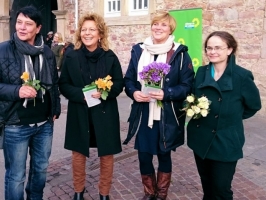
(216, 49)
(91, 30)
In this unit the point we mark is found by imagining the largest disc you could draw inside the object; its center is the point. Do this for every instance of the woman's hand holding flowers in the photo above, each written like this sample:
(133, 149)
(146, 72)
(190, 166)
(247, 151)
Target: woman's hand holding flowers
(96, 95)
(157, 95)
(141, 97)
(27, 92)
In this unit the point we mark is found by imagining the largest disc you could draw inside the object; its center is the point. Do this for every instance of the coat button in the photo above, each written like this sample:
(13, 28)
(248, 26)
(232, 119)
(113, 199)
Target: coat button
(220, 99)
(198, 125)
(216, 116)
(169, 90)
(167, 79)
(214, 131)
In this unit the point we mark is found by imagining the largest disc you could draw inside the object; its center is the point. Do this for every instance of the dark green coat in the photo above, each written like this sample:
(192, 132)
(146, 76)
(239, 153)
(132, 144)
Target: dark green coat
(105, 116)
(234, 97)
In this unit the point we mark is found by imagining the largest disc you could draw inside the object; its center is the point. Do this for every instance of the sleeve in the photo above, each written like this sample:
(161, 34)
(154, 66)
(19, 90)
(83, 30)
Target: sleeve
(251, 96)
(184, 76)
(131, 83)
(67, 80)
(117, 79)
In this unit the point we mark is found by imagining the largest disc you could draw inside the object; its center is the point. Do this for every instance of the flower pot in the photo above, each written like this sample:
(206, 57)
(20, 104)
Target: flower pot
(88, 91)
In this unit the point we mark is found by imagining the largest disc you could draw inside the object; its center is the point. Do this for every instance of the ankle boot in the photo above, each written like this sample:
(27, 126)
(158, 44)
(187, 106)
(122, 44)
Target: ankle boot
(79, 195)
(163, 183)
(104, 197)
(149, 183)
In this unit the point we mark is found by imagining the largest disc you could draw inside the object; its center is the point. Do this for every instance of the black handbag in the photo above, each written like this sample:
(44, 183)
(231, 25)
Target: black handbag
(2, 124)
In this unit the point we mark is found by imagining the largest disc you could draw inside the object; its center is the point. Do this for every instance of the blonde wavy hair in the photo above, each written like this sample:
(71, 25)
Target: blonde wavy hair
(60, 37)
(101, 26)
(164, 16)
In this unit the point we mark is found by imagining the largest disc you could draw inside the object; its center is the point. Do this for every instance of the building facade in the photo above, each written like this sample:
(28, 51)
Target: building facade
(245, 19)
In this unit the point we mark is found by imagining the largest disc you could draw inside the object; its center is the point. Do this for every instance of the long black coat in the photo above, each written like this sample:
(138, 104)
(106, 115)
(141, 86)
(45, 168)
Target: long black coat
(105, 116)
(234, 97)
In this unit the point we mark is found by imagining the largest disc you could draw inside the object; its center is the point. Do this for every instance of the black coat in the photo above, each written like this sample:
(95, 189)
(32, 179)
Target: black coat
(234, 97)
(177, 85)
(10, 82)
(105, 116)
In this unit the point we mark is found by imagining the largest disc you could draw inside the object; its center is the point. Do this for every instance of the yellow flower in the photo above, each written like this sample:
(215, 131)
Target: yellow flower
(25, 76)
(109, 85)
(108, 78)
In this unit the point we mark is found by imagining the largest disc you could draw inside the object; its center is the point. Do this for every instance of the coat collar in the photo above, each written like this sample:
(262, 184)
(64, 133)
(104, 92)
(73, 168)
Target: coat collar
(225, 81)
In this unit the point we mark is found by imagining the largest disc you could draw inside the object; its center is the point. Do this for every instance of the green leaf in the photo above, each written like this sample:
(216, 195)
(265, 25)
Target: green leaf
(159, 103)
(104, 95)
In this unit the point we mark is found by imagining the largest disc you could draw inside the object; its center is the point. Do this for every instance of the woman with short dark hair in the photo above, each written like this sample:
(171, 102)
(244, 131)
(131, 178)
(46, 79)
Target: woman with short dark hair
(217, 139)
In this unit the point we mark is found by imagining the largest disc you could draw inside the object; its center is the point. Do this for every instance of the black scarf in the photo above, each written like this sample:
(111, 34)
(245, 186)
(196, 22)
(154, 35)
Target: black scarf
(42, 70)
(97, 61)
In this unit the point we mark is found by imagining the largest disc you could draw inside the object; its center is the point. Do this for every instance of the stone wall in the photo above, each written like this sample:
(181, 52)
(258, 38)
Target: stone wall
(245, 19)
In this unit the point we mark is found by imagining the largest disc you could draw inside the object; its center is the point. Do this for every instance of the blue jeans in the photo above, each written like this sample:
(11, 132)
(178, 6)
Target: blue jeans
(18, 141)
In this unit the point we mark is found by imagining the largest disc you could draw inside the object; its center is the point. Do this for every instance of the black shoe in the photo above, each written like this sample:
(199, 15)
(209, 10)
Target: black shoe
(104, 197)
(79, 195)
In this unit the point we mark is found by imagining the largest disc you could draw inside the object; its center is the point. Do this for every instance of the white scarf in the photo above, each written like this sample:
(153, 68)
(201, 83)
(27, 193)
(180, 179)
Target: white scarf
(147, 57)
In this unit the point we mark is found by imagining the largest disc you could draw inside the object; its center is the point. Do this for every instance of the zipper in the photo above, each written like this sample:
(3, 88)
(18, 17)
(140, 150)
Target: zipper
(174, 113)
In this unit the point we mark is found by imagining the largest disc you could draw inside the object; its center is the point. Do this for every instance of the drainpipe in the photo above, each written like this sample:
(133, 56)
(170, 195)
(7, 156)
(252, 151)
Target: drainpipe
(76, 13)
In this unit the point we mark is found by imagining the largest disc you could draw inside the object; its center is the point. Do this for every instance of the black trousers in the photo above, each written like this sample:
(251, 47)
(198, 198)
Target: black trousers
(216, 178)
(146, 165)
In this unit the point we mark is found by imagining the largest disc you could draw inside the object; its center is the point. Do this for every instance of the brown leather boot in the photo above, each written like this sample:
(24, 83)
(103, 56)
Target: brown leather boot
(149, 183)
(163, 183)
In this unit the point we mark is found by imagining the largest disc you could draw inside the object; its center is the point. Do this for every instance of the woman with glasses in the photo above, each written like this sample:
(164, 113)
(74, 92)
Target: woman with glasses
(97, 126)
(217, 139)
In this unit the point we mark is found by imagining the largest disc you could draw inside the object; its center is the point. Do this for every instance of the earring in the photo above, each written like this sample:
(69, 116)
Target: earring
(99, 40)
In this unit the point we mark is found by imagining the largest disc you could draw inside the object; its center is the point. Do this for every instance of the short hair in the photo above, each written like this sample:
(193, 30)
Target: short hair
(164, 16)
(226, 37)
(60, 37)
(32, 13)
(101, 26)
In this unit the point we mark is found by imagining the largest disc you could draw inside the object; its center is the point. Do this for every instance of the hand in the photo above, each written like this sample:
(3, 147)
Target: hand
(157, 95)
(54, 117)
(141, 97)
(27, 92)
(96, 95)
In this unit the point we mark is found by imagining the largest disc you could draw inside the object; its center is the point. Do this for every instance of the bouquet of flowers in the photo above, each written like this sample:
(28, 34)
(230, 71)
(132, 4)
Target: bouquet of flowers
(32, 83)
(196, 107)
(103, 85)
(153, 74)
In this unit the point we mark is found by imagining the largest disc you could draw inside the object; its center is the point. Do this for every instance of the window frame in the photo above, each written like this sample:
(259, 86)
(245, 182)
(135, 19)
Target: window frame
(125, 18)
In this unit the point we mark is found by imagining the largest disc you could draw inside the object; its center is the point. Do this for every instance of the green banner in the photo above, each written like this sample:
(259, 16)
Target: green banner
(189, 32)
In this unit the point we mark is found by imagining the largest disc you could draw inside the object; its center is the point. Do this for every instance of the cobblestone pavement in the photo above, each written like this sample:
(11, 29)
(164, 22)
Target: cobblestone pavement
(248, 183)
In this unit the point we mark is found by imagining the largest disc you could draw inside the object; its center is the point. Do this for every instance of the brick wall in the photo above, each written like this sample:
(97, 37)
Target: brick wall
(245, 19)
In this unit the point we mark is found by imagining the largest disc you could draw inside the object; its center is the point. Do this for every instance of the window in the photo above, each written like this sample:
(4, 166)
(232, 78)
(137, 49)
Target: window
(138, 7)
(125, 12)
(112, 8)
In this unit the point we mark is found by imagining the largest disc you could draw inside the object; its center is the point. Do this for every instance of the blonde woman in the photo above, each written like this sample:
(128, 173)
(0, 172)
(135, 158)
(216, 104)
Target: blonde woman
(158, 131)
(57, 47)
(91, 59)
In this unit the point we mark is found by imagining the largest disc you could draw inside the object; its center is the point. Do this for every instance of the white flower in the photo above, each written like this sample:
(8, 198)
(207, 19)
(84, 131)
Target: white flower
(196, 109)
(190, 113)
(190, 99)
(204, 105)
(204, 112)
(203, 99)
